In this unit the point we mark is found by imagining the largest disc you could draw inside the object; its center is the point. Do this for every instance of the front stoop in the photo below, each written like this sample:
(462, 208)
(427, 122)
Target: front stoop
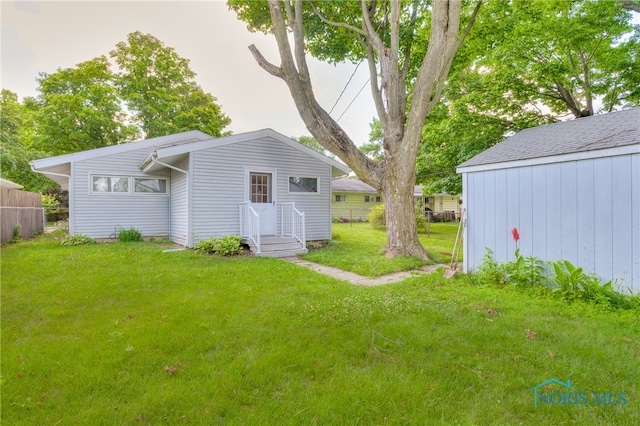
(277, 247)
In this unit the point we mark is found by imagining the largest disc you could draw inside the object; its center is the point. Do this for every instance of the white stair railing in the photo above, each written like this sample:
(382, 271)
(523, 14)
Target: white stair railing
(292, 223)
(250, 224)
(299, 226)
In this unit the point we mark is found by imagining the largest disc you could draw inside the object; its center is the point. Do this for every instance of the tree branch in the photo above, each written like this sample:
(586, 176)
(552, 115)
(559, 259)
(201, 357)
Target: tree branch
(630, 5)
(472, 20)
(334, 23)
(264, 64)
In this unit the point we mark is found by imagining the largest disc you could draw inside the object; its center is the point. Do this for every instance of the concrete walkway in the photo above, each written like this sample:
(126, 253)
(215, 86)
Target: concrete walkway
(356, 279)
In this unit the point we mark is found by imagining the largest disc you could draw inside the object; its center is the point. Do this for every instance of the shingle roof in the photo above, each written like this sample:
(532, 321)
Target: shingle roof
(585, 134)
(345, 184)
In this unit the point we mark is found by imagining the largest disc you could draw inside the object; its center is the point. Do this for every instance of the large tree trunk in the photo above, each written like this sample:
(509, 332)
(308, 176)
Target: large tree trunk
(397, 192)
(395, 176)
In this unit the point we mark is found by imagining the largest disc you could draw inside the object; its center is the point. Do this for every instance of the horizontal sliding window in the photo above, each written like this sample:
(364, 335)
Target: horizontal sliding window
(303, 184)
(109, 184)
(150, 185)
(128, 185)
(372, 199)
(341, 198)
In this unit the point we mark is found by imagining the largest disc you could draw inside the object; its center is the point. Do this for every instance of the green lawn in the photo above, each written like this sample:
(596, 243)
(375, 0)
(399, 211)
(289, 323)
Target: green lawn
(356, 247)
(126, 334)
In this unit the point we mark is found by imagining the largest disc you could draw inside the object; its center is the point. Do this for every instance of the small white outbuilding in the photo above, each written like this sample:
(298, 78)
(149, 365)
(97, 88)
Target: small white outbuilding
(572, 189)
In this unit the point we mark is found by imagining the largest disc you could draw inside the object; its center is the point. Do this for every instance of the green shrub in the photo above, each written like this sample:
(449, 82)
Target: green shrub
(129, 235)
(490, 271)
(17, 233)
(77, 240)
(569, 282)
(228, 245)
(377, 217)
(205, 246)
(525, 270)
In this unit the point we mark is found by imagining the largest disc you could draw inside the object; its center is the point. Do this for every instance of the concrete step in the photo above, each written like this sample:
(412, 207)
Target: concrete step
(277, 247)
(286, 246)
(282, 253)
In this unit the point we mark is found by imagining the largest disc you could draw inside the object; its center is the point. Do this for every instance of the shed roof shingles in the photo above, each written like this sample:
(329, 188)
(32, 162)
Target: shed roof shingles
(585, 134)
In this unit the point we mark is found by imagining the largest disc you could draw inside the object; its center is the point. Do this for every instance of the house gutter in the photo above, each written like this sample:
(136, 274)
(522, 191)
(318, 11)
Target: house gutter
(42, 172)
(154, 160)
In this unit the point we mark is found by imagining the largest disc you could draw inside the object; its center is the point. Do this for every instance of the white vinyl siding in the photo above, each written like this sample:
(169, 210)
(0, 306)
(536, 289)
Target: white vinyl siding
(219, 186)
(99, 215)
(179, 232)
(585, 211)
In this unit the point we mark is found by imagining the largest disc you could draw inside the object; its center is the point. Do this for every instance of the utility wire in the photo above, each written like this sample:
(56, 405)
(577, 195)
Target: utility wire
(354, 99)
(345, 87)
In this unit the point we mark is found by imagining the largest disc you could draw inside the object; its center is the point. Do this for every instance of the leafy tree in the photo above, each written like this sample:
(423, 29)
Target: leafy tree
(528, 64)
(159, 88)
(563, 55)
(373, 149)
(392, 37)
(16, 136)
(80, 109)
(312, 143)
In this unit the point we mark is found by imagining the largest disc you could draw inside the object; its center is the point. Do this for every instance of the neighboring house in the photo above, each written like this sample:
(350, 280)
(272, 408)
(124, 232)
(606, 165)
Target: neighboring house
(353, 199)
(191, 186)
(438, 206)
(21, 212)
(572, 189)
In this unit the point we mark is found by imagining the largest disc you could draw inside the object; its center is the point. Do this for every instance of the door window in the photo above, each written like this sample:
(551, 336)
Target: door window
(260, 187)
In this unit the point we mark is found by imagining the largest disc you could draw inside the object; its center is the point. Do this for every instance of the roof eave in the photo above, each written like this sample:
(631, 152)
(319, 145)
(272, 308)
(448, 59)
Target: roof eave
(574, 156)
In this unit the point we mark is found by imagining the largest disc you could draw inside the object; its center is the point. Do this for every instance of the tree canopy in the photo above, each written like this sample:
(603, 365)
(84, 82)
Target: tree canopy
(153, 93)
(80, 108)
(17, 130)
(160, 89)
(528, 64)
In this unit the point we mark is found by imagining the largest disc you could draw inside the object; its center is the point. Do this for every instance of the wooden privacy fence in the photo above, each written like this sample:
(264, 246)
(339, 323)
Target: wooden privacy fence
(20, 208)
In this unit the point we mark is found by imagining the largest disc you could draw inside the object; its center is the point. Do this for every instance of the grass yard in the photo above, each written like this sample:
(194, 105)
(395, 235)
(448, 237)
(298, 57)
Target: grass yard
(356, 247)
(125, 334)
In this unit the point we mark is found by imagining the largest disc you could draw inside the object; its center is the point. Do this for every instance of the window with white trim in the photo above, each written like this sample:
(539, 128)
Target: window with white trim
(150, 185)
(110, 184)
(372, 199)
(341, 198)
(303, 184)
(128, 185)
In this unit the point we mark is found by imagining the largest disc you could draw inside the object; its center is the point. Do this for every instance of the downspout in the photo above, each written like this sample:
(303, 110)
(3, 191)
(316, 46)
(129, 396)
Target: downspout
(154, 160)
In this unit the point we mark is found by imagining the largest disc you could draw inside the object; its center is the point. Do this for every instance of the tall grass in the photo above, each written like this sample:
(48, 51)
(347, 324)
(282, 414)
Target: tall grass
(126, 334)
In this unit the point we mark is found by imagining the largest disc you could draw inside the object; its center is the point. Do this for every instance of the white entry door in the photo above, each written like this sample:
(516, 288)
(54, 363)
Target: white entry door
(263, 201)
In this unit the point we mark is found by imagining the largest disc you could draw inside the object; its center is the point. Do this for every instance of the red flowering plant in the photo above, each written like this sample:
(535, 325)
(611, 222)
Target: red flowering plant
(515, 235)
(527, 270)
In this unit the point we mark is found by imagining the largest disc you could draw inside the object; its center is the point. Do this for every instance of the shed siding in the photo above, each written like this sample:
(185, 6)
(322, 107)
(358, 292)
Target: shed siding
(635, 220)
(585, 211)
(98, 215)
(219, 186)
(179, 231)
(585, 214)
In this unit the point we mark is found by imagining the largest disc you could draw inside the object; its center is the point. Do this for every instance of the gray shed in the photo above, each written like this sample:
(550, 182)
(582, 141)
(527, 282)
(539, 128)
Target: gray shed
(572, 189)
(191, 186)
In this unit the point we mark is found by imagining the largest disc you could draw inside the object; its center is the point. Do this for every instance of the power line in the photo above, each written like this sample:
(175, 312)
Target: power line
(345, 87)
(354, 99)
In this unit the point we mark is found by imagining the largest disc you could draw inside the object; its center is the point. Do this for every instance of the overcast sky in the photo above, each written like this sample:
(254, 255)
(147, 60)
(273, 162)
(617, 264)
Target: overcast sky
(42, 36)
